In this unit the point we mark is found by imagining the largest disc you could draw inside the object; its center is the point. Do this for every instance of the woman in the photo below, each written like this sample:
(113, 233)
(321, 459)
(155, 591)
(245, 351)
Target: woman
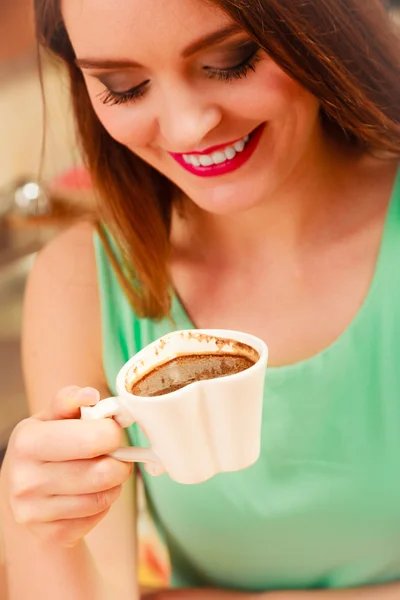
(246, 156)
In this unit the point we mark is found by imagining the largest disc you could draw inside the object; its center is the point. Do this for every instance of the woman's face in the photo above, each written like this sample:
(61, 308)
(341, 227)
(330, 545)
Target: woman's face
(185, 89)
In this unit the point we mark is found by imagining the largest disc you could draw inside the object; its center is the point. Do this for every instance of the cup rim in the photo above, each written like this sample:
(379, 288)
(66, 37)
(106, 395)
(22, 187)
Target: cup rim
(261, 348)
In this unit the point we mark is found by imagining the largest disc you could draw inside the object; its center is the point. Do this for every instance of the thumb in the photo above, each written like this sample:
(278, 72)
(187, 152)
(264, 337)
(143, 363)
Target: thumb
(67, 402)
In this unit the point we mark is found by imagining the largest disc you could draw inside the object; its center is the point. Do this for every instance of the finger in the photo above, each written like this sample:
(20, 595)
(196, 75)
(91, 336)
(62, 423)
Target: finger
(68, 401)
(67, 532)
(71, 478)
(57, 441)
(81, 476)
(55, 508)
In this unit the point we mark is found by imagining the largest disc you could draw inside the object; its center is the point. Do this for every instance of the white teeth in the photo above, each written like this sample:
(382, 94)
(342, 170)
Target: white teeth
(230, 152)
(205, 160)
(218, 157)
(239, 146)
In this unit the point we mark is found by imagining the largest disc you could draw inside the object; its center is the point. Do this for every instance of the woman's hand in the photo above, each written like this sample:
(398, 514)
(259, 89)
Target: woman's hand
(57, 477)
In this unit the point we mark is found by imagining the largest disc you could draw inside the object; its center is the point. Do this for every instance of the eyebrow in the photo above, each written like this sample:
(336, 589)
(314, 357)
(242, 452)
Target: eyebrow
(211, 39)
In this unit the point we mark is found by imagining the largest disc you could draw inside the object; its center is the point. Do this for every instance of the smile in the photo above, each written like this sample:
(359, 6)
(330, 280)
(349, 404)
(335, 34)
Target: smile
(222, 159)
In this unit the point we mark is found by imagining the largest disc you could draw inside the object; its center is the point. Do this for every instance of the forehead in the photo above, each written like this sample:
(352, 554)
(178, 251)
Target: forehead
(123, 27)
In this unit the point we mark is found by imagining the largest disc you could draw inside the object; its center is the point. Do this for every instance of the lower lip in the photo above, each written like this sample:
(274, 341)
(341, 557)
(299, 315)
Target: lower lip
(228, 166)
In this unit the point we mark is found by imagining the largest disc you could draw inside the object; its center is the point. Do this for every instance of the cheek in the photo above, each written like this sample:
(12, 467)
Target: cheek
(126, 123)
(280, 97)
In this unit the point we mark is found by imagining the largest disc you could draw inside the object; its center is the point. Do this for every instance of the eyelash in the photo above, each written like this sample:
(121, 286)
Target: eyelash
(115, 98)
(238, 72)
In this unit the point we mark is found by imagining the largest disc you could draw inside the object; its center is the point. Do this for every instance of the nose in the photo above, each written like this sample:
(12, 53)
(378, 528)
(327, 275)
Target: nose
(186, 118)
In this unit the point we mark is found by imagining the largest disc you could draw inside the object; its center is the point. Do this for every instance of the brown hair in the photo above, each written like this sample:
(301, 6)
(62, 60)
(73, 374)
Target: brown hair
(345, 52)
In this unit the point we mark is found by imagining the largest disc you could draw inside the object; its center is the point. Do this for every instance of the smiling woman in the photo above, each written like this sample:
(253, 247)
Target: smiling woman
(354, 94)
(246, 159)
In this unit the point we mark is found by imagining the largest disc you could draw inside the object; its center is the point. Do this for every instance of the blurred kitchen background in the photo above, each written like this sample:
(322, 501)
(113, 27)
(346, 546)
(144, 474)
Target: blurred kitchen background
(21, 141)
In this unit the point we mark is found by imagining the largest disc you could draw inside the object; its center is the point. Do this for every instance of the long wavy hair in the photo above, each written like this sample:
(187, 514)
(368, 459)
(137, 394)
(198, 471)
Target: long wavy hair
(345, 52)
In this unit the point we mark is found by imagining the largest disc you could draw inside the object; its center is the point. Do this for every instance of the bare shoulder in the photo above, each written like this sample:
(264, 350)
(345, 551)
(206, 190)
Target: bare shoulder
(69, 257)
(62, 322)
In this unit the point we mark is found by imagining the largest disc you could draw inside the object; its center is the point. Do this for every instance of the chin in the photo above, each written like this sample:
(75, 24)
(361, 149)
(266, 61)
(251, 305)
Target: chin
(227, 201)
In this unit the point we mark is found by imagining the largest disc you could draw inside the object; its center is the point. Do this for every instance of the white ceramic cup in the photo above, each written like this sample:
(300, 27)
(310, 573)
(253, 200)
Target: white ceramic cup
(204, 428)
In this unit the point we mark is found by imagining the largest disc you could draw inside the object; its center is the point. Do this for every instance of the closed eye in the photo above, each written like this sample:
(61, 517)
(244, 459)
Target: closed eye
(236, 72)
(114, 98)
(239, 71)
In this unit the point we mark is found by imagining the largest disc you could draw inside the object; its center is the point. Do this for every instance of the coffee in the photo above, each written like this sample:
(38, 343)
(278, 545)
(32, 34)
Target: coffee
(189, 368)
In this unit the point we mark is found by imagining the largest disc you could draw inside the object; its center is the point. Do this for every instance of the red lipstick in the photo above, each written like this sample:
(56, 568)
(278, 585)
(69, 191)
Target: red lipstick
(229, 165)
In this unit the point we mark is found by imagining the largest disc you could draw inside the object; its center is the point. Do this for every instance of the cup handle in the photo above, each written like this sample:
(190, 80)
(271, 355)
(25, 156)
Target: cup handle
(115, 408)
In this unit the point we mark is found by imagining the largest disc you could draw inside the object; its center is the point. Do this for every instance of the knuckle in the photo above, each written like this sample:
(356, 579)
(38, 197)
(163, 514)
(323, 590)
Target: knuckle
(22, 443)
(101, 501)
(21, 512)
(21, 424)
(116, 492)
(104, 475)
(22, 484)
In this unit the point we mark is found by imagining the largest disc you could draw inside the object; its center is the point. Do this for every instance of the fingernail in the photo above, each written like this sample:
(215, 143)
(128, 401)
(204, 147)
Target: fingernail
(89, 393)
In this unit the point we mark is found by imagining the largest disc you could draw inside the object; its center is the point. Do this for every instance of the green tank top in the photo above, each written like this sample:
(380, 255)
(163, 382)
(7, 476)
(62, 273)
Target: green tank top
(321, 506)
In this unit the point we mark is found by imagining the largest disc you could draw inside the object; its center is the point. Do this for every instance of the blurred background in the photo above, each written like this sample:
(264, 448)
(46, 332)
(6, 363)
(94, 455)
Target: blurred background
(60, 175)
(22, 134)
